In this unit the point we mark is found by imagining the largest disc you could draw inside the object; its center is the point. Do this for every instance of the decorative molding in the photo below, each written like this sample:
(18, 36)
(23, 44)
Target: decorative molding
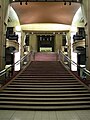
(78, 43)
(12, 43)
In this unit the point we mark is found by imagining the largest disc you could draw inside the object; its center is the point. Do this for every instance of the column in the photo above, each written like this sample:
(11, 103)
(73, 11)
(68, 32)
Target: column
(86, 13)
(69, 44)
(22, 44)
(3, 10)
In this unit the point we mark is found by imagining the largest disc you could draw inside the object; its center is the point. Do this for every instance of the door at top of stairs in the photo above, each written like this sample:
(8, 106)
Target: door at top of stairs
(45, 43)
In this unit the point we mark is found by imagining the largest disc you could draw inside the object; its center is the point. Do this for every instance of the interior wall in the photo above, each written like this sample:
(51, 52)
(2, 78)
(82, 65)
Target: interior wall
(69, 44)
(86, 12)
(34, 45)
(84, 7)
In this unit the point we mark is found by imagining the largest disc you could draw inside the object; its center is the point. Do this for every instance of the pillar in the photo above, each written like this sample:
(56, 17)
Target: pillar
(86, 13)
(69, 44)
(22, 44)
(3, 11)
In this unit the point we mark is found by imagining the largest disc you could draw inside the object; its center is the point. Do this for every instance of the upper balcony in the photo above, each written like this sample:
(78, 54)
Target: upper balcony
(79, 46)
(13, 44)
(12, 40)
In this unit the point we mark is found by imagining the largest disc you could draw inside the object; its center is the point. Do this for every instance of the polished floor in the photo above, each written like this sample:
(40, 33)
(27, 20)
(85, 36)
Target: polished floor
(45, 115)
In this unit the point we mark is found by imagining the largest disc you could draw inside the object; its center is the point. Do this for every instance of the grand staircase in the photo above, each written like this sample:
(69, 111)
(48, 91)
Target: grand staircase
(45, 85)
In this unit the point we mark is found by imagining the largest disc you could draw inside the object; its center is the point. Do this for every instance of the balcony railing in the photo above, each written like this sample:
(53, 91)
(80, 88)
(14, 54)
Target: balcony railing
(12, 43)
(79, 45)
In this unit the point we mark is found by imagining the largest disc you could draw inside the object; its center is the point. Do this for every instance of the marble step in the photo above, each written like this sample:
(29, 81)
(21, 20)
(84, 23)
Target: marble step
(44, 76)
(43, 99)
(45, 81)
(15, 91)
(45, 95)
(47, 74)
(42, 83)
(63, 103)
(45, 86)
(55, 107)
(47, 89)
(27, 78)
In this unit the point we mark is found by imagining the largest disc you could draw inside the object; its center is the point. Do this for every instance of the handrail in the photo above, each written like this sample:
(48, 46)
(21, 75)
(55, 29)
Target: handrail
(4, 70)
(8, 72)
(74, 63)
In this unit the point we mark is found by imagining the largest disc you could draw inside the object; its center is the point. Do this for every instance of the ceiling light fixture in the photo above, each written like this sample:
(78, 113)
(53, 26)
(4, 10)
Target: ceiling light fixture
(20, 3)
(64, 3)
(69, 3)
(26, 3)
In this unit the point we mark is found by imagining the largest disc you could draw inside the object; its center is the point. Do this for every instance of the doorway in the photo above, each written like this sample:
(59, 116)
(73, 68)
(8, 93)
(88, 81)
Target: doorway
(45, 43)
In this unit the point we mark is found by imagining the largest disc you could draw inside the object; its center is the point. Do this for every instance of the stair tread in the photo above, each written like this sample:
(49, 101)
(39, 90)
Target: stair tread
(46, 99)
(46, 78)
(45, 85)
(46, 103)
(42, 88)
(45, 95)
(19, 107)
(42, 83)
(37, 80)
(30, 76)
(46, 74)
(45, 92)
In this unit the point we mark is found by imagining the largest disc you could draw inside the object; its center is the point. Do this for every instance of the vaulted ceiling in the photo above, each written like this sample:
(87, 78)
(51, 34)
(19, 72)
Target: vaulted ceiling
(45, 12)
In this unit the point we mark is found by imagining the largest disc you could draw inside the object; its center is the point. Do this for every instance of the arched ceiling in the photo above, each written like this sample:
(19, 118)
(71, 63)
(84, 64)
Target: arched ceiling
(45, 12)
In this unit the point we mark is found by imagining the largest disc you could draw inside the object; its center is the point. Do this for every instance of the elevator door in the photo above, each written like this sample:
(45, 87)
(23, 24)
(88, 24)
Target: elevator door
(45, 43)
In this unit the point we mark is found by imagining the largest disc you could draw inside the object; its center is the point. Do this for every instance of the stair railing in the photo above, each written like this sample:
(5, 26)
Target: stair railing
(81, 72)
(7, 73)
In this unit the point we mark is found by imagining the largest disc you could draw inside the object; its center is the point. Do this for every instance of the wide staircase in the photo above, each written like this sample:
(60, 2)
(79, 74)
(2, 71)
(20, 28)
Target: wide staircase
(45, 85)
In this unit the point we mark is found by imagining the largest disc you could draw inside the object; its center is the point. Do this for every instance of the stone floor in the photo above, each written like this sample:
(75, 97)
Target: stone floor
(45, 115)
